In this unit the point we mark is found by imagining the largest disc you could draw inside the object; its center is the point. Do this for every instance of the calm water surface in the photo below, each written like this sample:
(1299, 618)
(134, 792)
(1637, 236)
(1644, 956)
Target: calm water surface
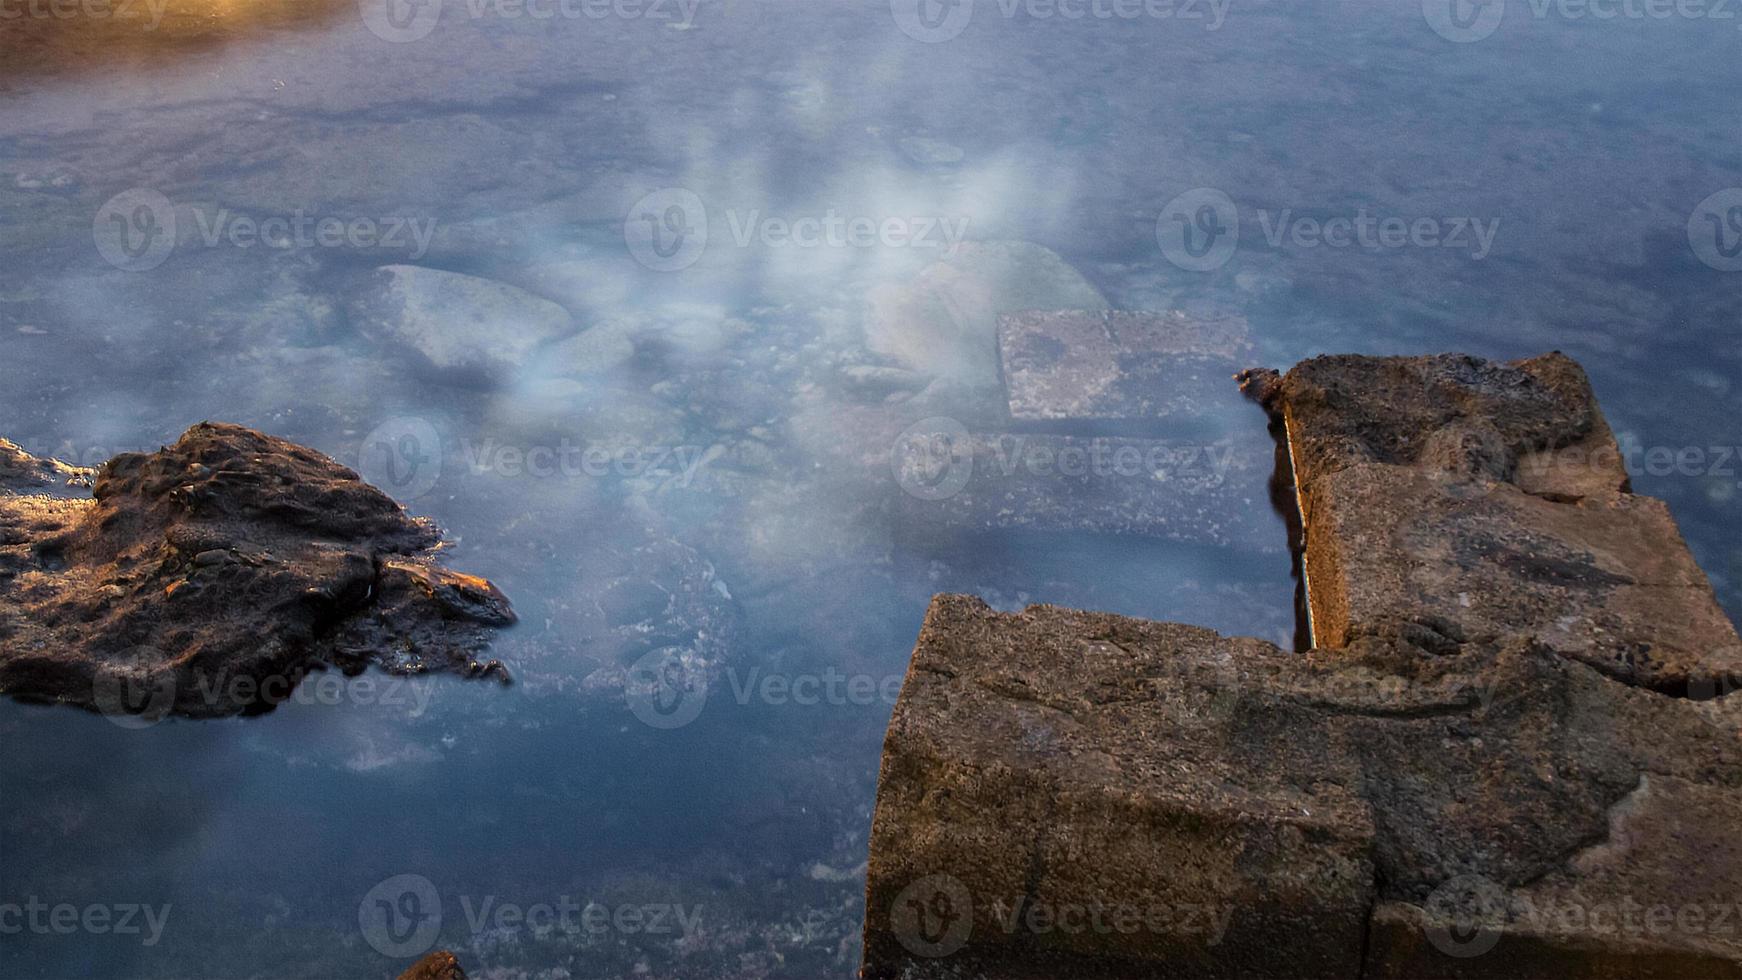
(1564, 168)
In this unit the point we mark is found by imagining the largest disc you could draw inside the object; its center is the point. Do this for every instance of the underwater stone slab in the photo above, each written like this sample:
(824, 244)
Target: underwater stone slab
(944, 321)
(1192, 492)
(459, 327)
(1097, 364)
(1449, 500)
(1440, 813)
(208, 578)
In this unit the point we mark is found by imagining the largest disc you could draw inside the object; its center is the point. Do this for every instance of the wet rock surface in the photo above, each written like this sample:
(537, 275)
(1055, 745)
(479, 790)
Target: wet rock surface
(1449, 500)
(22, 473)
(208, 578)
(1514, 753)
(1224, 808)
(440, 965)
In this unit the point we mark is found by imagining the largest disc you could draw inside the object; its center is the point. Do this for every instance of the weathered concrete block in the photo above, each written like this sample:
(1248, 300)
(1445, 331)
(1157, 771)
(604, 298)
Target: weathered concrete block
(1059, 798)
(1095, 364)
(1448, 499)
(1498, 764)
(1365, 812)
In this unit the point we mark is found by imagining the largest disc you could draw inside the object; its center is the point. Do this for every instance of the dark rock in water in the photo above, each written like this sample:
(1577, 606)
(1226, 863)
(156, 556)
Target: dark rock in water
(1450, 499)
(1097, 364)
(206, 579)
(440, 965)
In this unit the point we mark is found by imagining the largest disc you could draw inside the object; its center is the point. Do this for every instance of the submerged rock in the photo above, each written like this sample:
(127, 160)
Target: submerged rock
(1082, 364)
(461, 327)
(208, 578)
(945, 321)
(1190, 492)
(928, 152)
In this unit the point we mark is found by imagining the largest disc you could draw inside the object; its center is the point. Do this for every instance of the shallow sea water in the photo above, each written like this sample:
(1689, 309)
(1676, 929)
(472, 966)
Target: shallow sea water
(760, 526)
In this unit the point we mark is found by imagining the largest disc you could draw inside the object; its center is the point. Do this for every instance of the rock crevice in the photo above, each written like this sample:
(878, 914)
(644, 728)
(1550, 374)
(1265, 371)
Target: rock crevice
(1477, 749)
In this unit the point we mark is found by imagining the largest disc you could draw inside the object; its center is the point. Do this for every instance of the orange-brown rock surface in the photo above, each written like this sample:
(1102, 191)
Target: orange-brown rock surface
(210, 577)
(1514, 753)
